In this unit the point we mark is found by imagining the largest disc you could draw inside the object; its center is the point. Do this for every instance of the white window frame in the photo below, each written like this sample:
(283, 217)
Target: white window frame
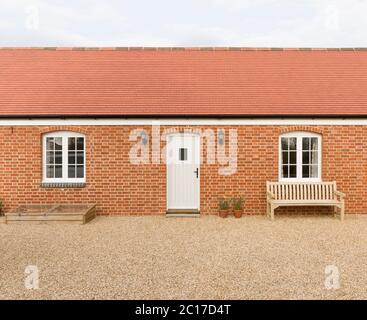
(64, 135)
(299, 135)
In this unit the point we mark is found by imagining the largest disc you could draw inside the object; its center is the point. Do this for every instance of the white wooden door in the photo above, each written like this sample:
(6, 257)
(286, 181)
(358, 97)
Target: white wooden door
(183, 171)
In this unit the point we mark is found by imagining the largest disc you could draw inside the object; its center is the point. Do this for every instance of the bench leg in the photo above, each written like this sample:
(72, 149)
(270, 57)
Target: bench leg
(272, 212)
(342, 209)
(335, 211)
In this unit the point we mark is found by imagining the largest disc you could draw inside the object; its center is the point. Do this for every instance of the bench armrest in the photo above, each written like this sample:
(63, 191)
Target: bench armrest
(270, 195)
(339, 194)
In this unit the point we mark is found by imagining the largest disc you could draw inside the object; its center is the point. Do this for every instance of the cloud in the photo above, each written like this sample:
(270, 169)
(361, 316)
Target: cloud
(236, 5)
(189, 23)
(198, 35)
(36, 23)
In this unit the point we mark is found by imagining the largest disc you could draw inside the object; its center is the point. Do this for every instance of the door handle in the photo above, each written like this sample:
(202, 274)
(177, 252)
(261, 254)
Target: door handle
(197, 172)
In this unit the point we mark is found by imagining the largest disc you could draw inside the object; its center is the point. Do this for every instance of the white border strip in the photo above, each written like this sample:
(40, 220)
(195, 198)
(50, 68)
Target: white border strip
(184, 121)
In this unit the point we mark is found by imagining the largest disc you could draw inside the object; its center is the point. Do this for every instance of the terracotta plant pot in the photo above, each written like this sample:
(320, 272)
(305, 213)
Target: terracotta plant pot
(223, 213)
(237, 213)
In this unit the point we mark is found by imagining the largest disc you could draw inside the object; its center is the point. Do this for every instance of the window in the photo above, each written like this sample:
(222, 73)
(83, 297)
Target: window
(300, 156)
(183, 154)
(64, 157)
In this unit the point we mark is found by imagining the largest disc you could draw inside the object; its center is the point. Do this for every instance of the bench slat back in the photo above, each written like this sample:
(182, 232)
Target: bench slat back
(309, 191)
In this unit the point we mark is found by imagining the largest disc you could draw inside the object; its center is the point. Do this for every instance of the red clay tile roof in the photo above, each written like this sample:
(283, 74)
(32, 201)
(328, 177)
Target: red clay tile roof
(183, 81)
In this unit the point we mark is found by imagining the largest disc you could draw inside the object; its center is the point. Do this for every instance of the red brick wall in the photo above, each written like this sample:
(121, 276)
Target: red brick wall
(119, 187)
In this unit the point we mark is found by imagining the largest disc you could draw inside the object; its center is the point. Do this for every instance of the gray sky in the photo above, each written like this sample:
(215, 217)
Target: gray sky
(281, 23)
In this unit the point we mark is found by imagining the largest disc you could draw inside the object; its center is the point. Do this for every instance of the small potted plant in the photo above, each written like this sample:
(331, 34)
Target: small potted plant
(223, 208)
(238, 207)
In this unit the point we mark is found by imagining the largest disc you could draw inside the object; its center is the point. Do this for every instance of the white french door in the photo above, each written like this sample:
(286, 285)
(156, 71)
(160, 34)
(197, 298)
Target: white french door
(183, 171)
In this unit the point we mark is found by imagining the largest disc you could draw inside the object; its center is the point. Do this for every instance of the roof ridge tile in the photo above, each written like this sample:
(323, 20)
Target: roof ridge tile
(199, 48)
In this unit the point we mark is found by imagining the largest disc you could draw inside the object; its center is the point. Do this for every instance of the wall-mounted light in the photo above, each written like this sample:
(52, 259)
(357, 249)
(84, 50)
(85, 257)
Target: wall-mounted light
(221, 137)
(144, 137)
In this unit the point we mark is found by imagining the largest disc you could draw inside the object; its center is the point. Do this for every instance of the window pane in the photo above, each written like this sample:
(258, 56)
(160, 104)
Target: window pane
(80, 172)
(80, 143)
(58, 171)
(71, 157)
(292, 143)
(292, 157)
(306, 144)
(305, 157)
(71, 171)
(50, 144)
(284, 144)
(285, 157)
(292, 171)
(71, 143)
(314, 157)
(49, 171)
(58, 157)
(285, 172)
(314, 144)
(80, 158)
(314, 173)
(183, 154)
(58, 143)
(50, 158)
(305, 171)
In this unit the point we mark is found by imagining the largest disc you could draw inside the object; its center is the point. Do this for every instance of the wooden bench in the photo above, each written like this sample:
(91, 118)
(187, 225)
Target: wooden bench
(303, 194)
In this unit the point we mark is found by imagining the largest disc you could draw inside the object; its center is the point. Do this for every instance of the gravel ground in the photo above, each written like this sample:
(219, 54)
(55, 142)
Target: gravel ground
(186, 258)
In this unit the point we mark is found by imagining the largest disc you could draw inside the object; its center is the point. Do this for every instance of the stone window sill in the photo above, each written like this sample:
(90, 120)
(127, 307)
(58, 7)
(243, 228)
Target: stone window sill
(63, 184)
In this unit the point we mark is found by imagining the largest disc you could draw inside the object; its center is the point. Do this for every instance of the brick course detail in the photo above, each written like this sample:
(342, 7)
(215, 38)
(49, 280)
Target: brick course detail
(121, 188)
